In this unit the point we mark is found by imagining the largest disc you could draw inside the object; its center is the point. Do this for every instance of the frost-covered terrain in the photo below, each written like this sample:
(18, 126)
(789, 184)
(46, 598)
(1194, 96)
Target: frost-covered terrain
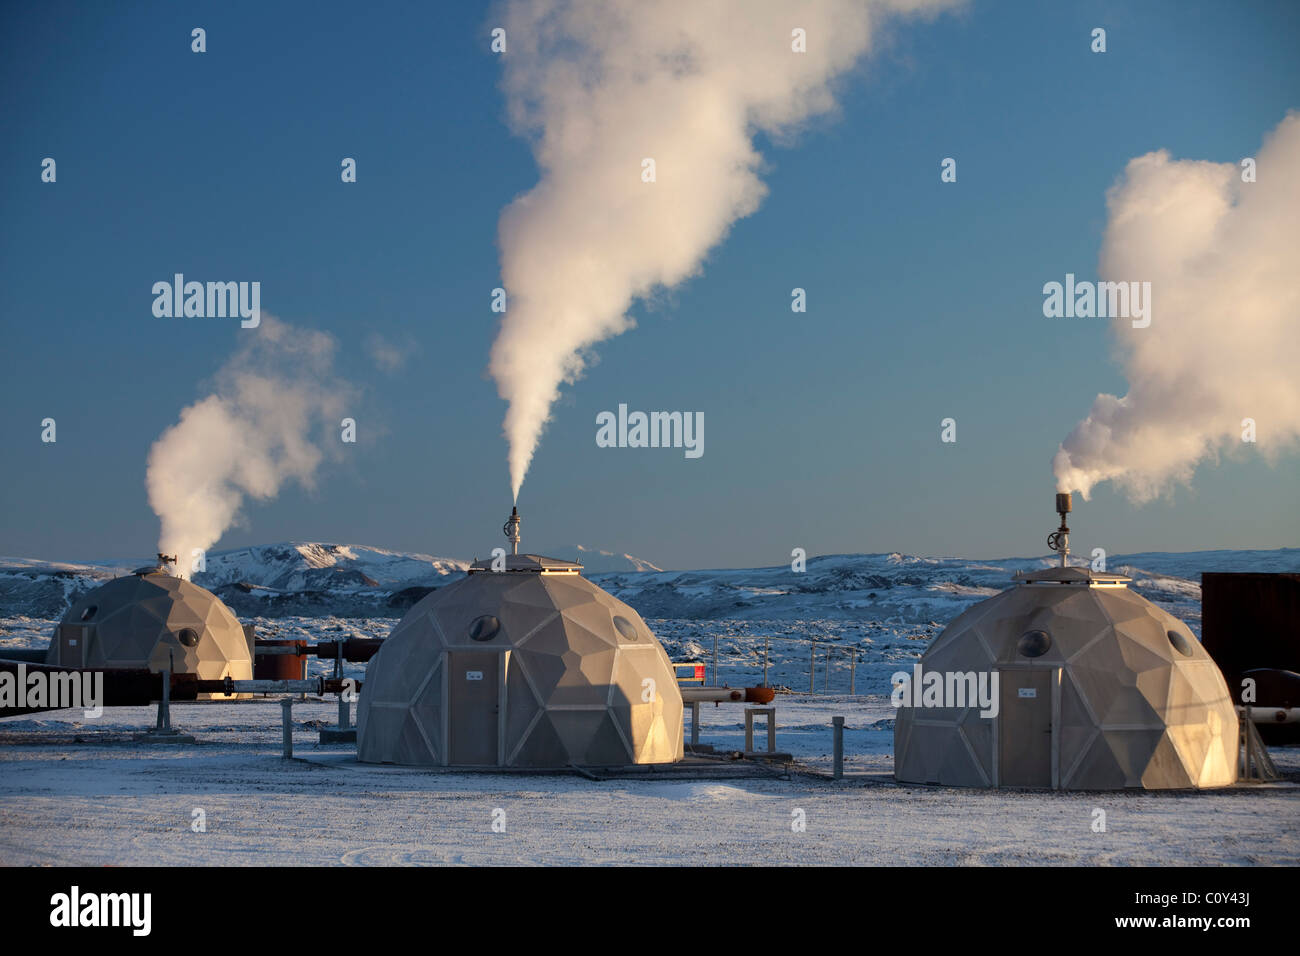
(67, 800)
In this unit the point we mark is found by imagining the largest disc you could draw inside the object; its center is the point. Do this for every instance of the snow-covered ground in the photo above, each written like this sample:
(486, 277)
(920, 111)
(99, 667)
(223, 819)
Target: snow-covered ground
(68, 802)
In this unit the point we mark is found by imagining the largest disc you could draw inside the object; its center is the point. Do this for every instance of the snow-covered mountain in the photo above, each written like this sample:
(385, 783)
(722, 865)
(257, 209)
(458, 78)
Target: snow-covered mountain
(308, 566)
(352, 581)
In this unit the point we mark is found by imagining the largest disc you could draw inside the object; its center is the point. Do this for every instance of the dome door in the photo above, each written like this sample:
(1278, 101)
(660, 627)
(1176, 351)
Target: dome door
(474, 678)
(1025, 725)
(73, 639)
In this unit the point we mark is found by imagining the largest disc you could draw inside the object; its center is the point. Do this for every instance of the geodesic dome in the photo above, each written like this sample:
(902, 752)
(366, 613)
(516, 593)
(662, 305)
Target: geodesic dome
(153, 620)
(533, 666)
(1098, 689)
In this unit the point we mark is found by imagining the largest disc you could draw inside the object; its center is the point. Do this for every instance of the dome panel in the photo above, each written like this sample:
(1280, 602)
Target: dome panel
(522, 706)
(426, 711)
(542, 747)
(1097, 769)
(582, 640)
(1142, 654)
(542, 635)
(569, 590)
(978, 732)
(545, 671)
(413, 743)
(378, 726)
(585, 680)
(409, 659)
(1166, 764)
(1133, 751)
(596, 619)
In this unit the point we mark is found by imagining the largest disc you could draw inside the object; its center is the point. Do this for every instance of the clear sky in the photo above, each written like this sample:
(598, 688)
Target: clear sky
(822, 429)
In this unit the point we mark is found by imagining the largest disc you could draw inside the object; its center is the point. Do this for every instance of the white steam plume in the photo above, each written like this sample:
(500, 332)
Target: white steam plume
(1224, 340)
(262, 426)
(599, 87)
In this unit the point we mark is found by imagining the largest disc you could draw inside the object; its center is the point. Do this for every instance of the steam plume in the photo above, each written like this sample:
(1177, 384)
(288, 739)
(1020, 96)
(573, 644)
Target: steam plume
(1224, 266)
(597, 88)
(261, 426)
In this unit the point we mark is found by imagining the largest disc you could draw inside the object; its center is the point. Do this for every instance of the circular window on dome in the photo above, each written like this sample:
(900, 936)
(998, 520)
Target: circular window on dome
(1181, 644)
(626, 628)
(1034, 644)
(89, 612)
(189, 637)
(484, 628)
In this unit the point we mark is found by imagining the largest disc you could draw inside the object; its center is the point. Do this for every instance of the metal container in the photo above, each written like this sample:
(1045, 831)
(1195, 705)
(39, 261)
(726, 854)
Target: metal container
(286, 663)
(1250, 624)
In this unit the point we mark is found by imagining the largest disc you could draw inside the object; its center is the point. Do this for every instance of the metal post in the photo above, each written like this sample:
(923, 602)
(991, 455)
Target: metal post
(837, 724)
(1243, 716)
(771, 730)
(812, 670)
(749, 730)
(765, 640)
(286, 712)
(715, 661)
(345, 709)
(695, 723)
(826, 681)
(853, 671)
(165, 702)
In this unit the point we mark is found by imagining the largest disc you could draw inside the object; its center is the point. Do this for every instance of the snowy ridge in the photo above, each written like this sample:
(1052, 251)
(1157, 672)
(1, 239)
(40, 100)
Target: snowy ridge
(905, 588)
(308, 566)
(596, 561)
(312, 579)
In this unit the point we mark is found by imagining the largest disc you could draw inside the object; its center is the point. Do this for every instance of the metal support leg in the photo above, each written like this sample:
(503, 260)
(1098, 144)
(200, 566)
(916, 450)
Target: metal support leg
(165, 704)
(838, 731)
(769, 714)
(695, 723)
(286, 712)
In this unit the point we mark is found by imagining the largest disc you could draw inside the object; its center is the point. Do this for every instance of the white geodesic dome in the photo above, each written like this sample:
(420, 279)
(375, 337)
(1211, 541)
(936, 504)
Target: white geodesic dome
(1099, 690)
(152, 620)
(532, 666)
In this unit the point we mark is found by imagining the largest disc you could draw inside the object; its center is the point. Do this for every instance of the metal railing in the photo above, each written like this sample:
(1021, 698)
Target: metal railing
(824, 667)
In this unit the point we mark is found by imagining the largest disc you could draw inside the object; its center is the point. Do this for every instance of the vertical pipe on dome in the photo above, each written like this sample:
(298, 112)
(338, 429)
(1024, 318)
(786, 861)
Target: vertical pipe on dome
(1059, 540)
(511, 530)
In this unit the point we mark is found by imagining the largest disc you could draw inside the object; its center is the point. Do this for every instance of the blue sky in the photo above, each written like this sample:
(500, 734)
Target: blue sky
(822, 429)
